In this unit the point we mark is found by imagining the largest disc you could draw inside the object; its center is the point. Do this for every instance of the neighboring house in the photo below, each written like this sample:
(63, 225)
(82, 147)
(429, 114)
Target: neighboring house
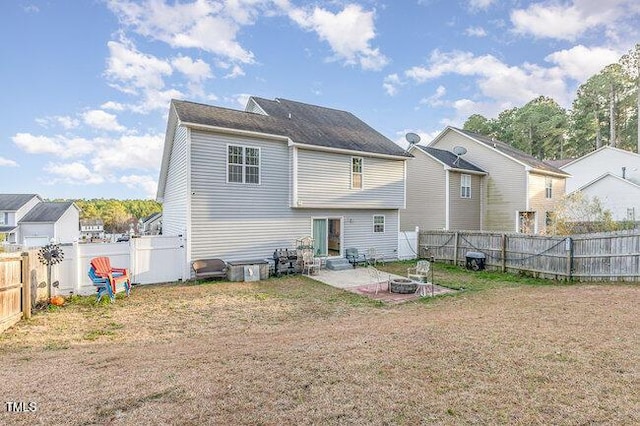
(152, 224)
(91, 229)
(620, 196)
(241, 184)
(444, 191)
(50, 220)
(518, 192)
(616, 161)
(12, 208)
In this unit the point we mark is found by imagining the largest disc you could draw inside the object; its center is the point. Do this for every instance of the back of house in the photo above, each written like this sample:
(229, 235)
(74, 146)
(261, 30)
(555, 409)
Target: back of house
(519, 192)
(241, 184)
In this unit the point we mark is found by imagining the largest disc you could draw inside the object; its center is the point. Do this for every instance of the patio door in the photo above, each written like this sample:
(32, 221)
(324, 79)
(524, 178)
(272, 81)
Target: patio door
(327, 236)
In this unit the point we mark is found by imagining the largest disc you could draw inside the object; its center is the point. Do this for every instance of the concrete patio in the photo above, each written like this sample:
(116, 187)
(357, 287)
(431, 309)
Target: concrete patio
(360, 281)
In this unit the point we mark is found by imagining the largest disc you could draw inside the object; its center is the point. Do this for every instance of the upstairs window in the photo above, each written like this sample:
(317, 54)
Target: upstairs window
(4, 218)
(465, 186)
(243, 164)
(548, 187)
(356, 172)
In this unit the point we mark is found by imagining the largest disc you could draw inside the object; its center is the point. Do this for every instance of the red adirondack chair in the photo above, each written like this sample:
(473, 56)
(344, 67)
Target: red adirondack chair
(103, 269)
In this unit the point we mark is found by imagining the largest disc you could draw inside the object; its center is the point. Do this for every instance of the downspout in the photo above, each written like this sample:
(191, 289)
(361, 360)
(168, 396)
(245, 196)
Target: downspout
(447, 198)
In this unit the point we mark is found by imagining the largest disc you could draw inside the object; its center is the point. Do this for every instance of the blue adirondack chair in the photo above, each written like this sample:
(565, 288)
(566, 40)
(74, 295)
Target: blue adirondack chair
(103, 286)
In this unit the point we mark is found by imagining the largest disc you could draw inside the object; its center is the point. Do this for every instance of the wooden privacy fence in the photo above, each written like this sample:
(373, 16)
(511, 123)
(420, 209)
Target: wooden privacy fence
(592, 257)
(15, 289)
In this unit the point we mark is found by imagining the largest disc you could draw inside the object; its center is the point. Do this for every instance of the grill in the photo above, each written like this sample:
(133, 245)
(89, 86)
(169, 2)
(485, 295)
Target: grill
(286, 261)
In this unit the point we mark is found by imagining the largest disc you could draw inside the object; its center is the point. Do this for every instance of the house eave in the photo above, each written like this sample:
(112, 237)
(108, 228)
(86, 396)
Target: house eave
(347, 151)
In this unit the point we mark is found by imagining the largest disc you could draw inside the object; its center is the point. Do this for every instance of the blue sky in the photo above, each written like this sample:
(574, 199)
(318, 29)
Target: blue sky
(87, 84)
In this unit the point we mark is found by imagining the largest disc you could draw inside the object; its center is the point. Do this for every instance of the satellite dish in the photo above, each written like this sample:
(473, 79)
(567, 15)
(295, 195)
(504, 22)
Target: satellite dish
(459, 150)
(412, 138)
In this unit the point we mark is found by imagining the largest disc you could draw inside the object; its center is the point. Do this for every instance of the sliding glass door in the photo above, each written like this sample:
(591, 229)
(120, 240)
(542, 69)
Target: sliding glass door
(327, 236)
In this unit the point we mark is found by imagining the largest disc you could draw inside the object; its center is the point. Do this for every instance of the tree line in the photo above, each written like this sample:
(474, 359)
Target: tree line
(117, 215)
(605, 112)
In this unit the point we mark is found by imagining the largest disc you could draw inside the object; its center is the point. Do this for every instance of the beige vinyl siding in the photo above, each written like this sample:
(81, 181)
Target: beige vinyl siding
(324, 181)
(464, 213)
(426, 189)
(176, 195)
(505, 185)
(538, 202)
(248, 221)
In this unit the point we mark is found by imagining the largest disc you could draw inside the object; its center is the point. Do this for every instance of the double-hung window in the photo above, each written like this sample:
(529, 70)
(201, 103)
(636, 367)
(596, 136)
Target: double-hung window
(4, 218)
(356, 172)
(243, 164)
(548, 187)
(465, 186)
(378, 223)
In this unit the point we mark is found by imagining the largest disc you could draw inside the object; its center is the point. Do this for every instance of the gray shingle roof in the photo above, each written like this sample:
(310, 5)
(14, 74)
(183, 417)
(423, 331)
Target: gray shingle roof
(6, 229)
(514, 153)
(47, 211)
(302, 123)
(12, 202)
(450, 159)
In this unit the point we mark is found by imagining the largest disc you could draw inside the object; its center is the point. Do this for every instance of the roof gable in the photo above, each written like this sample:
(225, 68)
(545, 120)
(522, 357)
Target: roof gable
(47, 212)
(507, 150)
(13, 202)
(610, 176)
(599, 151)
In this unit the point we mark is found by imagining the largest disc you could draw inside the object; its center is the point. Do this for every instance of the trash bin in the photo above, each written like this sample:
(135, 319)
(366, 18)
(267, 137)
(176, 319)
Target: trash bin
(475, 260)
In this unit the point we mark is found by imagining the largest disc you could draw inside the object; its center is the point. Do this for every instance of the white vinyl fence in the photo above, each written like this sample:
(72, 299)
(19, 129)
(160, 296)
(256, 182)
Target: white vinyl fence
(150, 259)
(408, 244)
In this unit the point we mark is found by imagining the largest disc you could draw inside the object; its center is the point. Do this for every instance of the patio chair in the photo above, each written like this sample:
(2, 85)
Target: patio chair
(310, 263)
(116, 276)
(420, 272)
(376, 278)
(373, 257)
(354, 257)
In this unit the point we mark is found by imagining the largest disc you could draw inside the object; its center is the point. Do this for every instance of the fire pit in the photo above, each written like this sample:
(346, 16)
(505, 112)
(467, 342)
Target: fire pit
(402, 286)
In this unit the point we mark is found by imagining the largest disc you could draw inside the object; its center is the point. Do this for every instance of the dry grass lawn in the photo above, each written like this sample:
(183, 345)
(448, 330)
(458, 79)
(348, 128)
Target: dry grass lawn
(293, 351)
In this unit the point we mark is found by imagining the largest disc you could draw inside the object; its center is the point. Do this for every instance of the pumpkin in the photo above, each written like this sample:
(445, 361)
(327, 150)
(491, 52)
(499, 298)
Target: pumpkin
(57, 300)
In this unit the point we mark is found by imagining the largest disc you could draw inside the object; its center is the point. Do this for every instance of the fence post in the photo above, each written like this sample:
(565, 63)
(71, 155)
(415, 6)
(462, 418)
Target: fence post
(26, 286)
(504, 253)
(455, 249)
(569, 249)
(77, 270)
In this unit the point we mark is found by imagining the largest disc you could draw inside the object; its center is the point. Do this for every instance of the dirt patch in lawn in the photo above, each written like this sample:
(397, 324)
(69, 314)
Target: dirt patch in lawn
(294, 351)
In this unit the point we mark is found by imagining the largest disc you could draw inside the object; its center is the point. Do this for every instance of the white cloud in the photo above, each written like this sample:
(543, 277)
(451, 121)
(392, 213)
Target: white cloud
(582, 62)
(475, 32)
(65, 121)
(137, 73)
(241, 99)
(348, 32)
(147, 183)
(101, 120)
(480, 4)
(569, 20)
(128, 152)
(75, 173)
(508, 85)
(132, 70)
(435, 99)
(207, 25)
(391, 84)
(195, 71)
(236, 71)
(114, 106)
(57, 145)
(5, 162)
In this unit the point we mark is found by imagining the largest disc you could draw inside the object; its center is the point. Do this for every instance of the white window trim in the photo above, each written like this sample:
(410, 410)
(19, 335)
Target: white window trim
(244, 147)
(548, 189)
(4, 218)
(384, 223)
(462, 187)
(361, 173)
